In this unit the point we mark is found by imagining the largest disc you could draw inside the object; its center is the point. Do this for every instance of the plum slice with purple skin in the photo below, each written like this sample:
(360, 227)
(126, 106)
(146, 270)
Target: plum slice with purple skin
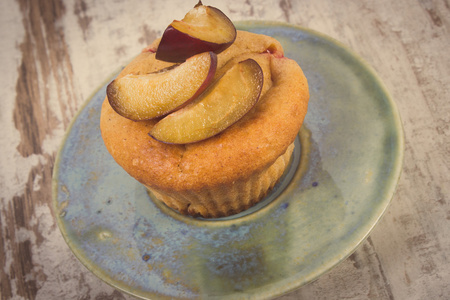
(204, 28)
(225, 102)
(148, 96)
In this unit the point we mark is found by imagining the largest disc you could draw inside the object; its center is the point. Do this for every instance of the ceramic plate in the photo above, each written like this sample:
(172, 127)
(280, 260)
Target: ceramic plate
(350, 161)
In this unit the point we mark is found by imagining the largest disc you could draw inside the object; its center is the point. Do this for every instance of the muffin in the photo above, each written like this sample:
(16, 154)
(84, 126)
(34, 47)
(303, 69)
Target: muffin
(231, 171)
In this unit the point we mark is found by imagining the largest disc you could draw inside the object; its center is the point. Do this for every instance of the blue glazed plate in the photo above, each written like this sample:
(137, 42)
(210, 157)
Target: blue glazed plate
(352, 151)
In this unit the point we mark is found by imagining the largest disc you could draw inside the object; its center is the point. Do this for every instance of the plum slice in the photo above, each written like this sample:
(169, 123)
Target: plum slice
(148, 96)
(226, 101)
(204, 28)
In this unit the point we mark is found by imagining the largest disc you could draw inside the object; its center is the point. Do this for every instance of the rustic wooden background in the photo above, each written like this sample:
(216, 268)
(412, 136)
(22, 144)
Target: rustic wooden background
(54, 54)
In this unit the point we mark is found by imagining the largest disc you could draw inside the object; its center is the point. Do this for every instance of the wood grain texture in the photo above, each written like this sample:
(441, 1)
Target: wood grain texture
(54, 54)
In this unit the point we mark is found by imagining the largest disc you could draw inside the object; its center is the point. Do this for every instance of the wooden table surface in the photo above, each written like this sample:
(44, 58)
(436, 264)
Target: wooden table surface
(54, 54)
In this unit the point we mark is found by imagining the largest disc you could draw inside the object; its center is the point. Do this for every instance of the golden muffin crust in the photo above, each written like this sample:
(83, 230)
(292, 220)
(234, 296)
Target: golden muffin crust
(249, 146)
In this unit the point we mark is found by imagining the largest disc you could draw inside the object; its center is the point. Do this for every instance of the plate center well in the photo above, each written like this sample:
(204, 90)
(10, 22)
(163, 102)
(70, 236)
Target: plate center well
(300, 144)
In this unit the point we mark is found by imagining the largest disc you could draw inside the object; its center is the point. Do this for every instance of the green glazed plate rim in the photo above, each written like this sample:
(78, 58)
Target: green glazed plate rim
(82, 245)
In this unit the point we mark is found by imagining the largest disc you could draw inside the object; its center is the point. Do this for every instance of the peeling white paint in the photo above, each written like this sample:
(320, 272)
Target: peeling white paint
(23, 235)
(10, 59)
(8, 253)
(37, 183)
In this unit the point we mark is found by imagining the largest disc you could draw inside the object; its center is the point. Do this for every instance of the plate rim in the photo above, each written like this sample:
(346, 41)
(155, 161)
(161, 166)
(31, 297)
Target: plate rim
(292, 284)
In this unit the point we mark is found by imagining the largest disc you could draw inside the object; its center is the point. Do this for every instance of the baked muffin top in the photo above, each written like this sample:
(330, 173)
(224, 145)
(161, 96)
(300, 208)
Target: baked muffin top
(248, 146)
